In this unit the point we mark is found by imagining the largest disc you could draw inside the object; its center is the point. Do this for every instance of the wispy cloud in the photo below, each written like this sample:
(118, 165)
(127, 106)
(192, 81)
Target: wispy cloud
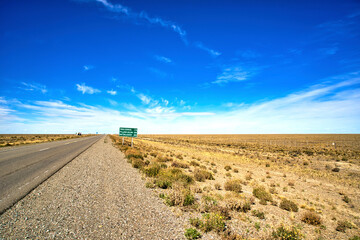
(209, 50)
(163, 59)
(144, 16)
(88, 67)
(234, 73)
(86, 89)
(34, 87)
(118, 8)
(111, 92)
(144, 99)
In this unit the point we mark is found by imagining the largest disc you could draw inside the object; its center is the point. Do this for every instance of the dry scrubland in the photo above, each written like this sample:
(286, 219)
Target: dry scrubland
(20, 139)
(255, 186)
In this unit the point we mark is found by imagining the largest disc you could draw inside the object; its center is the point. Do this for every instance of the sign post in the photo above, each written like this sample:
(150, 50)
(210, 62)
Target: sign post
(128, 132)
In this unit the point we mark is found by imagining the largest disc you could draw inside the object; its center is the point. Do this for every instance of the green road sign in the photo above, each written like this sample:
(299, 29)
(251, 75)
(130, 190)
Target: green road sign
(128, 132)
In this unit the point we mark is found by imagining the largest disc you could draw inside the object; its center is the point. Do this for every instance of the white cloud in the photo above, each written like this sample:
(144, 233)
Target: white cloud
(86, 89)
(88, 67)
(163, 59)
(34, 87)
(118, 8)
(209, 50)
(144, 99)
(233, 74)
(111, 92)
(112, 102)
(330, 107)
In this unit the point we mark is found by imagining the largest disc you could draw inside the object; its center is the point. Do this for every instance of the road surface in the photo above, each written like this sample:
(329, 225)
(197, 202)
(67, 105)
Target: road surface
(25, 167)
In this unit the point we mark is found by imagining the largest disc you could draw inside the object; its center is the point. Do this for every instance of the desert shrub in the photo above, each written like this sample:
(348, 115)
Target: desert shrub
(152, 170)
(258, 214)
(163, 159)
(137, 163)
(179, 165)
(202, 175)
(287, 233)
(228, 174)
(236, 170)
(248, 176)
(217, 186)
(179, 156)
(239, 205)
(163, 165)
(133, 153)
(150, 185)
(194, 163)
(291, 183)
(213, 221)
(336, 169)
(207, 202)
(233, 185)
(179, 196)
(355, 238)
(222, 211)
(227, 168)
(261, 193)
(288, 205)
(346, 199)
(196, 222)
(162, 183)
(343, 225)
(214, 170)
(192, 233)
(267, 165)
(311, 218)
(154, 154)
(172, 175)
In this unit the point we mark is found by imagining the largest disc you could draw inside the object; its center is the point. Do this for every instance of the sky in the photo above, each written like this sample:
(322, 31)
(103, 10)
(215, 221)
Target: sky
(181, 66)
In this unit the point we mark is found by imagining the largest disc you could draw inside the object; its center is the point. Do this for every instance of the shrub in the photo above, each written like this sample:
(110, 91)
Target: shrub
(192, 233)
(236, 170)
(287, 233)
(150, 185)
(239, 205)
(133, 153)
(163, 159)
(346, 199)
(354, 238)
(258, 214)
(172, 175)
(152, 171)
(288, 205)
(179, 156)
(213, 221)
(343, 225)
(164, 184)
(179, 196)
(262, 194)
(233, 185)
(336, 169)
(179, 165)
(227, 168)
(217, 186)
(311, 218)
(196, 222)
(194, 163)
(137, 163)
(202, 175)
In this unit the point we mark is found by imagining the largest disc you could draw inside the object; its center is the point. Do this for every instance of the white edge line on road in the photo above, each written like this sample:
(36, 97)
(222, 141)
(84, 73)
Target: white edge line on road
(43, 149)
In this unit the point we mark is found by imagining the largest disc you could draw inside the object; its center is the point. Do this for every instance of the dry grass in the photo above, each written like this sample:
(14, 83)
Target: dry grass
(21, 139)
(240, 179)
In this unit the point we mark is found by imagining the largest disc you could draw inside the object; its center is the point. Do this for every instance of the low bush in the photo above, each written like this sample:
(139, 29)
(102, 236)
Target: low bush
(287, 233)
(261, 193)
(152, 170)
(202, 175)
(258, 214)
(213, 221)
(172, 175)
(288, 205)
(227, 168)
(179, 165)
(343, 225)
(239, 205)
(133, 153)
(233, 185)
(179, 196)
(137, 163)
(192, 233)
(311, 218)
(164, 159)
(194, 163)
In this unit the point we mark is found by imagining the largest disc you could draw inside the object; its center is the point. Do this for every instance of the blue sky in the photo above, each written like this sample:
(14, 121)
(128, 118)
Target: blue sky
(179, 66)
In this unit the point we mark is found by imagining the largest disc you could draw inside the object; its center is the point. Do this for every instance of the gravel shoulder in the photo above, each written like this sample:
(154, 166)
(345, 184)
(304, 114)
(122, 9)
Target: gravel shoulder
(96, 196)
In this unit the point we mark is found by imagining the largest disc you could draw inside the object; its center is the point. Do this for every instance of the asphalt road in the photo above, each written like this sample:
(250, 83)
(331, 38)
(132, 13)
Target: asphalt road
(23, 168)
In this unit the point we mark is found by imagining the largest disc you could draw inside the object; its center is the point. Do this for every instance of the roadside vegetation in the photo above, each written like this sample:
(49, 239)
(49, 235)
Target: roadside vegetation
(228, 188)
(7, 140)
